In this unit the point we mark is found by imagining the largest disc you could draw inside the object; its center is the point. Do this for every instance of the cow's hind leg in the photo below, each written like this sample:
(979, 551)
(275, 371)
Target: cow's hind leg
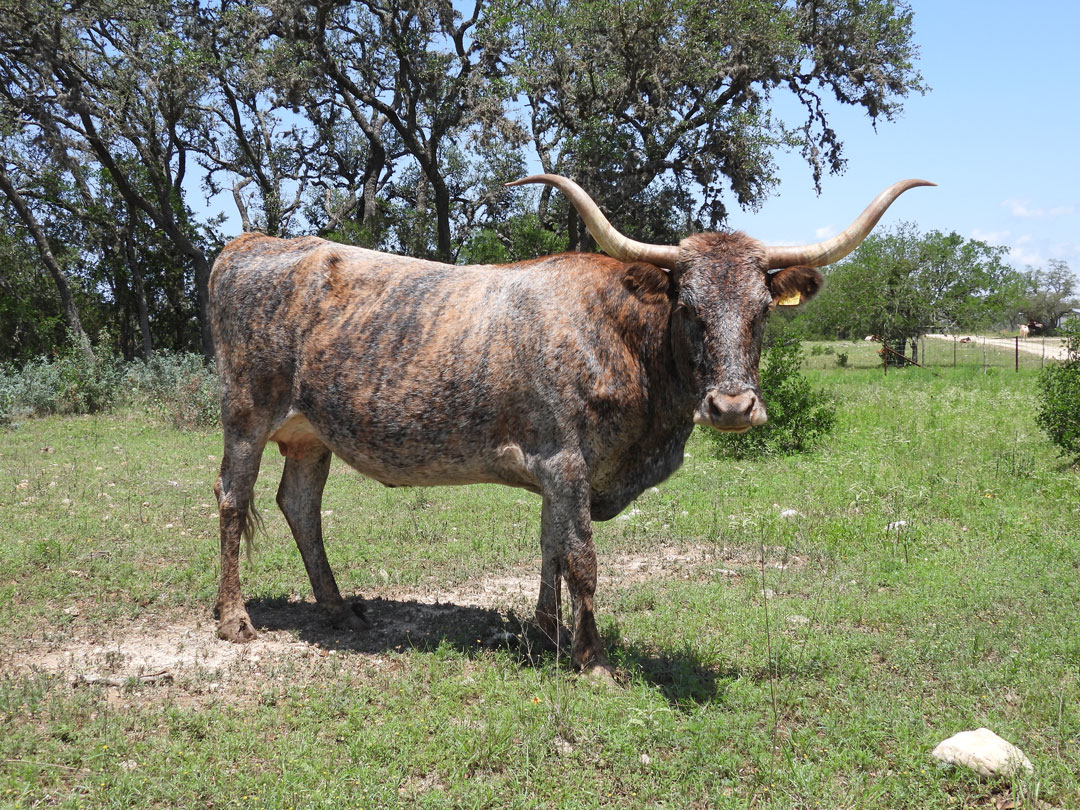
(300, 498)
(234, 489)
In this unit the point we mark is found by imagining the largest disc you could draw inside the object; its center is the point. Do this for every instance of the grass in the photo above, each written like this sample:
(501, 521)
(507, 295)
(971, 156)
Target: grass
(811, 662)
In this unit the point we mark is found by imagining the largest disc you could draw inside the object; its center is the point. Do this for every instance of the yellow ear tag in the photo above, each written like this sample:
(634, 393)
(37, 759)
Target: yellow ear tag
(792, 300)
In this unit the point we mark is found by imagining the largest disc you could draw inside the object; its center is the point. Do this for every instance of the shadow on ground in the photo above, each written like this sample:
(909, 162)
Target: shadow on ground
(398, 624)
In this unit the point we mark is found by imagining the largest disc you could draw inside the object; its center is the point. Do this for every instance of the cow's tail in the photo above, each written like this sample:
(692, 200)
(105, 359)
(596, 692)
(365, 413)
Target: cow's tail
(252, 521)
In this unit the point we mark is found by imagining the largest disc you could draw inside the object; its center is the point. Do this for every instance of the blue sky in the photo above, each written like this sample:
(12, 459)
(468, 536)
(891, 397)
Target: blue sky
(999, 132)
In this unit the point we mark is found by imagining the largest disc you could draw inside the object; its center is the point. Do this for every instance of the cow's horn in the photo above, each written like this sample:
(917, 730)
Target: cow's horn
(842, 244)
(610, 240)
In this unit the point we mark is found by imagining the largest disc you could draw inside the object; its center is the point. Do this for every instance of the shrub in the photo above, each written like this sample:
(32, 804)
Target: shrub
(1059, 403)
(799, 416)
(69, 383)
(182, 388)
(7, 395)
(841, 359)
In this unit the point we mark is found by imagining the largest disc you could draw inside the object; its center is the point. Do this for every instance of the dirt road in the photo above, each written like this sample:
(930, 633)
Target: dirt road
(1055, 347)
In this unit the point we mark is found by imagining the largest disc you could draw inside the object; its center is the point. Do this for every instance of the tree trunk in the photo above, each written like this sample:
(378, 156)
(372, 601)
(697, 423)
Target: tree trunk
(202, 302)
(67, 300)
(442, 215)
(140, 296)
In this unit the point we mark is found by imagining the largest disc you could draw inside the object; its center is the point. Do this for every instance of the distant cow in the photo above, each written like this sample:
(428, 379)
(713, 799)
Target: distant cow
(1025, 330)
(577, 377)
(965, 340)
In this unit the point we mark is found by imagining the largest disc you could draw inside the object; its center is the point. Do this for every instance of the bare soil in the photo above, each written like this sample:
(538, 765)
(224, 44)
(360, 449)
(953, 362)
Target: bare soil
(182, 650)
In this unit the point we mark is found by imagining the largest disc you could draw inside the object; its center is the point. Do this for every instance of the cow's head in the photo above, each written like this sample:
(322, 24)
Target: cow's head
(724, 295)
(725, 285)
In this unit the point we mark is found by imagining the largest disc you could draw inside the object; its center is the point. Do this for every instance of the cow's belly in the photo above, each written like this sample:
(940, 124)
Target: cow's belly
(392, 464)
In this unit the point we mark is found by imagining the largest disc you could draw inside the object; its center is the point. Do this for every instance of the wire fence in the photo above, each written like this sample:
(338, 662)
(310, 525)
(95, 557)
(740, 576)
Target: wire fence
(942, 351)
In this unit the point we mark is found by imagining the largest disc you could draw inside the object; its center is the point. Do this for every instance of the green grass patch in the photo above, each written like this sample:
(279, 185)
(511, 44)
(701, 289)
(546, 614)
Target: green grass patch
(768, 662)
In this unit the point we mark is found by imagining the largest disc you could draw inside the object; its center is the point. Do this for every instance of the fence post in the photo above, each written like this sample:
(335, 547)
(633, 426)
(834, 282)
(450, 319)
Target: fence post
(1018, 354)
(885, 355)
(984, 355)
(954, 351)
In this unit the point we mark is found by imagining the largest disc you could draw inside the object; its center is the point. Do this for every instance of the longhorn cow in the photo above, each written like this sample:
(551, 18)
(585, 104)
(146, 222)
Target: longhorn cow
(577, 377)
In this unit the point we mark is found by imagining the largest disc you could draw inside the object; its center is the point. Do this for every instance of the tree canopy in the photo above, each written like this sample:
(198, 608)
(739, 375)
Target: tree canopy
(902, 284)
(394, 124)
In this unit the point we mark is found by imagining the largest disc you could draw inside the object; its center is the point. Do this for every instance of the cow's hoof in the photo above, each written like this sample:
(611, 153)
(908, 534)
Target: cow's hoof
(350, 617)
(237, 629)
(601, 674)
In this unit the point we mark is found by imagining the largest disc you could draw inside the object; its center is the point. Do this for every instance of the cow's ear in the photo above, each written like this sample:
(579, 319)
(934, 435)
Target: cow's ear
(794, 285)
(647, 281)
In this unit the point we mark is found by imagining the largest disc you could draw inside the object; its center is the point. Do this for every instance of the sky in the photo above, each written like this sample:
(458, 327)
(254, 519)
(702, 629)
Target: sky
(999, 132)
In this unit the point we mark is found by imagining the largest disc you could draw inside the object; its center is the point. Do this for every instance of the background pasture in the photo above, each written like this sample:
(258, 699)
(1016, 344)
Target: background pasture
(807, 662)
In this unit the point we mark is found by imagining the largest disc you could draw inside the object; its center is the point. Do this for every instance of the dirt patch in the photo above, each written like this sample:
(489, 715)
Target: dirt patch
(490, 612)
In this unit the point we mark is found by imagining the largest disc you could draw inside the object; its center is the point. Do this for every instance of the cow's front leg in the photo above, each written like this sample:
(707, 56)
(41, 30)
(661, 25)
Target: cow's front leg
(566, 534)
(300, 497)
(548, 605)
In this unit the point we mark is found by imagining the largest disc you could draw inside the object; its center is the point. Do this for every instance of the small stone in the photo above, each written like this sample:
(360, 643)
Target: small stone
(795, 620)
(562, 746)
(896, 526)
(768, 593)
(790, 513)
(984, 752)
(646, 759)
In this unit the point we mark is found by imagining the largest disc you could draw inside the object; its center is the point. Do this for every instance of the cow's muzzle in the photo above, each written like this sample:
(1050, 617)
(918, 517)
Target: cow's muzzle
(731, 412)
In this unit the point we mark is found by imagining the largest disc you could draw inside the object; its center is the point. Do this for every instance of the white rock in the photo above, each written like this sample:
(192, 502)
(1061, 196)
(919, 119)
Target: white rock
(984, 752)
(790, 513)
(896, 526)
(646, 759)
(795, 620)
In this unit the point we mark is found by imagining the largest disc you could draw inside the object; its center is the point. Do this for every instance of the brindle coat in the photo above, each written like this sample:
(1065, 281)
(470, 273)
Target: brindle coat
(578, 377)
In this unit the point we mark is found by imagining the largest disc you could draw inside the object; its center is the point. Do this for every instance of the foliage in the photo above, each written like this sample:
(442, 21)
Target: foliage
(664, 107)
(520, 237)
(901, 284)
(69, 383)
(1059, 406)
(799, 416)
(182, 388)
(1049, 294)
(393, 125)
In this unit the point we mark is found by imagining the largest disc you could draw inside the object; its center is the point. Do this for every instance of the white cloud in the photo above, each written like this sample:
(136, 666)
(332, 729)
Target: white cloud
(1020, 208)
(992, 237)
(1022, 254)
(824, 233)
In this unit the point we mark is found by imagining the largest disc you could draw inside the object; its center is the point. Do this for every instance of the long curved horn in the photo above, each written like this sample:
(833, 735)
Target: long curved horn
(842, 244)
(613, 243)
